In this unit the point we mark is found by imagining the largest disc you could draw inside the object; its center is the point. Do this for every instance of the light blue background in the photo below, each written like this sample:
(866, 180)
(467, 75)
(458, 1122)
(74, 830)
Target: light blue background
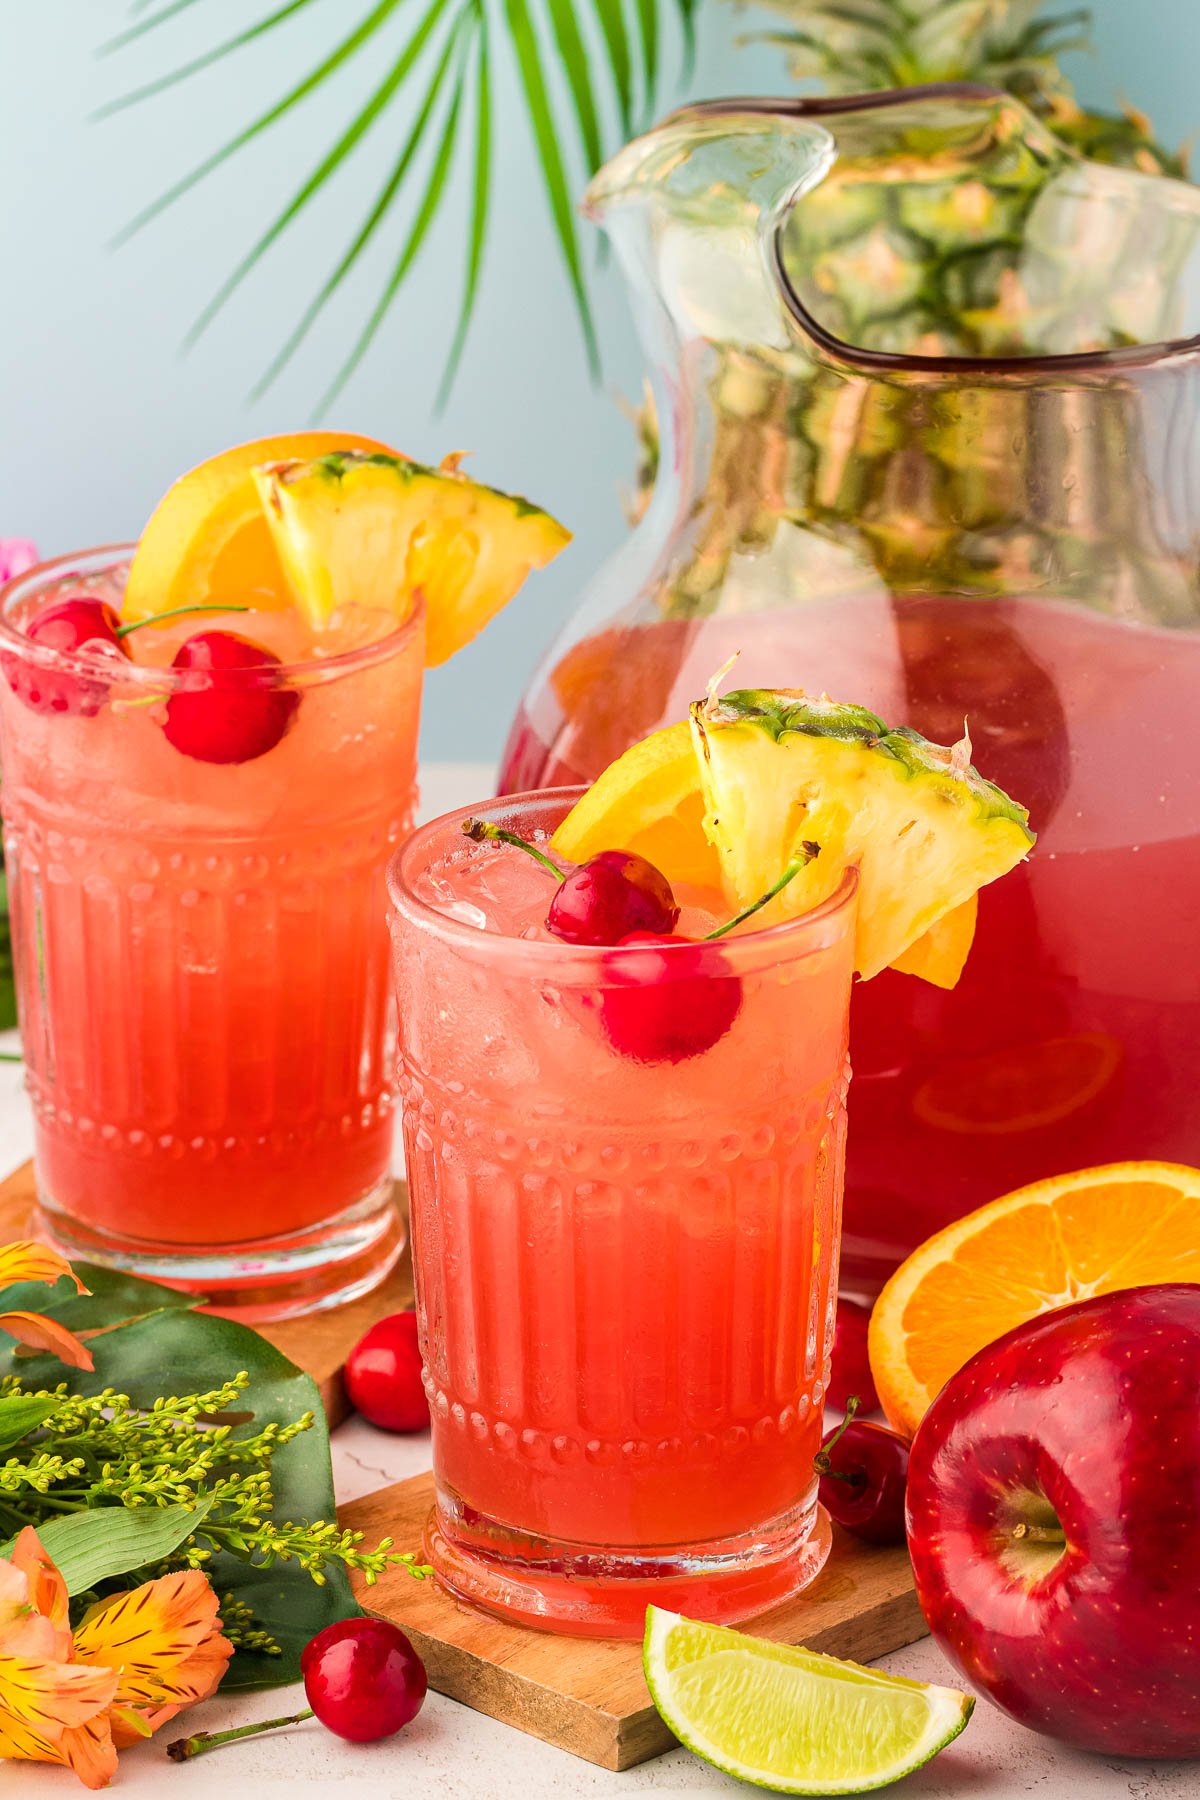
(98, 410)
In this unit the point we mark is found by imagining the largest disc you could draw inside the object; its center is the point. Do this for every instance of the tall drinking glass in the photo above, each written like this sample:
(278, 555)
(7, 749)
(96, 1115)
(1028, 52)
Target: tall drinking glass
(625, 1169)
(201, 946)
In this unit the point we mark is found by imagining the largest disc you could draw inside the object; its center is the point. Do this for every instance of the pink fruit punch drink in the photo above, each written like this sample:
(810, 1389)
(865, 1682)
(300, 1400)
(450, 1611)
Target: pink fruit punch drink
(625, 1168)
(196, 874)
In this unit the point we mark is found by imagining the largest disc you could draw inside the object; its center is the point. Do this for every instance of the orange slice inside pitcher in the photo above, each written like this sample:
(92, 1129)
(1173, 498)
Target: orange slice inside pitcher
(1044, 1246)
(1026, 1088)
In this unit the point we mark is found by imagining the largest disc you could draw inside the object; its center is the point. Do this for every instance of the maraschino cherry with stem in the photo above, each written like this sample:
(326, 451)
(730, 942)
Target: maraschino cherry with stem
(363, 1680)
(863, 1475)
(658, 1004)
(600, 901)
(77, 623)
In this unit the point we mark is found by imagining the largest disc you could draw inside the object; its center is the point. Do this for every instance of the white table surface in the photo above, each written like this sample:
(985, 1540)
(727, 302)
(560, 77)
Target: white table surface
(450, 1752)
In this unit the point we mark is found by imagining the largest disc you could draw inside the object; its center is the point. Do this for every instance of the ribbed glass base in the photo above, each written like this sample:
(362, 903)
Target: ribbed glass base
(305, 1271)
(588, 1592)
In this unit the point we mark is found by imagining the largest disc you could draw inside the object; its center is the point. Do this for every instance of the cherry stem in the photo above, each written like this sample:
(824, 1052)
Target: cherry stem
(480, 831)
(182, 1749)
(793, 869)
(821, 1461)
(174, 613)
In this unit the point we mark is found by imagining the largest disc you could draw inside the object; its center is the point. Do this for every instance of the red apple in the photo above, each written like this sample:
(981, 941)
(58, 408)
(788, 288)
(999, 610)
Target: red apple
(1054, 1522)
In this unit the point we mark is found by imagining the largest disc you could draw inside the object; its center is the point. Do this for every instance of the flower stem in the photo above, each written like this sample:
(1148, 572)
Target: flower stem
(174, 613)
(480, 831)
(801, 862)
(181, 1749)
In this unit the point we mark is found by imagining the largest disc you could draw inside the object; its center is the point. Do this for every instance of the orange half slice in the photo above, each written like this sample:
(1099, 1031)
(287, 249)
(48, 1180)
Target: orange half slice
(207, 540)
(1125, 1225)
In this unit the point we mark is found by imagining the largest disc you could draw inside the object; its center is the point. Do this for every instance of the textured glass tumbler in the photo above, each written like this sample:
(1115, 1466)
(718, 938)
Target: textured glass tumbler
(626, 1266)
(201, 959)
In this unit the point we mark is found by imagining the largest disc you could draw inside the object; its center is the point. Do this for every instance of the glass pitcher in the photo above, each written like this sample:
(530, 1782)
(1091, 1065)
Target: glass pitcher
(928, 388)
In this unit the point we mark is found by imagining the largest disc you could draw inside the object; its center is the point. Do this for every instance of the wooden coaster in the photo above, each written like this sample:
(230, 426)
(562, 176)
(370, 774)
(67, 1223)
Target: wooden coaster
(319, 1343)
(588, 1695)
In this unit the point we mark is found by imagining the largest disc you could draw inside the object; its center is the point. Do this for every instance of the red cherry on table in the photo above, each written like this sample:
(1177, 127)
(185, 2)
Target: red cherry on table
(666, 1005)
(383, 1375)
(234, 708)
(863, 1470)
(851, 1368)
(614, 893)
(78, 623)
(363, 1679)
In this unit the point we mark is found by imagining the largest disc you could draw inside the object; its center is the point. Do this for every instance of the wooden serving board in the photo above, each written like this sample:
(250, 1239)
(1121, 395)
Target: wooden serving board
(588, 1695)
(319, 1343)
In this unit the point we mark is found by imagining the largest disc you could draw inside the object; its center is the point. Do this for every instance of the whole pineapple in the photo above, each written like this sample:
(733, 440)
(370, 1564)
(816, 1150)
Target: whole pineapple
(925, 268)
(1007, 44)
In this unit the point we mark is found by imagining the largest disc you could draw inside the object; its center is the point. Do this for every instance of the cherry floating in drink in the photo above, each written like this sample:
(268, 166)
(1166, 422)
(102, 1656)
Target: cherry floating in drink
(236, 708)
(614, 893)
(76, 623)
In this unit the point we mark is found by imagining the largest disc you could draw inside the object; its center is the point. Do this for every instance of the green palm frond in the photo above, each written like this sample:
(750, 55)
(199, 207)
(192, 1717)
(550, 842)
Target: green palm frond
(578, 63)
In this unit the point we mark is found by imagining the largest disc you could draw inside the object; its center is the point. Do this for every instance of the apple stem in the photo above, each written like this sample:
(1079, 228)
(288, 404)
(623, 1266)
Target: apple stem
(822, 1462)
(1040, 1534)
(809, 851)
(480, 831)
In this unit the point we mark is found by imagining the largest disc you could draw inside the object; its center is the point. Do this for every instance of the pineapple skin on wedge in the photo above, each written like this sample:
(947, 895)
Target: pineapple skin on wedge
(924, 828)
(369, 529)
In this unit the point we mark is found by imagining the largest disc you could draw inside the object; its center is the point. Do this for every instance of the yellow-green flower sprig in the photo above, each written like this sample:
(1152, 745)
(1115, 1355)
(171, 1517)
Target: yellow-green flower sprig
(99, 1450)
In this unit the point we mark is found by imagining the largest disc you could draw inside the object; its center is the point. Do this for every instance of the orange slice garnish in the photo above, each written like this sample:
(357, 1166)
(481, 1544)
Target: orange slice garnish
(1125, 1225)
(207, 540)
(1023, 1088)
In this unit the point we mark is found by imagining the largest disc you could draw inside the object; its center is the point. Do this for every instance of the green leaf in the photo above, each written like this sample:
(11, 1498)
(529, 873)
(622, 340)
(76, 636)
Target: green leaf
(564, 20)
(151, 1353)
(168, 13)
(537, 99)
(114, 1298)
(19, 1415)
(199, 62)
(96, 1546)
(610, 16)
(481, 191)
(574, 58)
(425, 212)
(378, 212)
(687, 19)
(357, 129)
(362, 33)
(647, 18)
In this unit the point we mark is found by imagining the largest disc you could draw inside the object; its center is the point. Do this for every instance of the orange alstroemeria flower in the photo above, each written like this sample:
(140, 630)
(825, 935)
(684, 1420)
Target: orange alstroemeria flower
(135, 1660)
(35, 1262)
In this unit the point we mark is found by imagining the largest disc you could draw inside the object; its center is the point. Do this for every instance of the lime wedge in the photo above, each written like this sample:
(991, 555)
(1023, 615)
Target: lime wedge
(791, 1719)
